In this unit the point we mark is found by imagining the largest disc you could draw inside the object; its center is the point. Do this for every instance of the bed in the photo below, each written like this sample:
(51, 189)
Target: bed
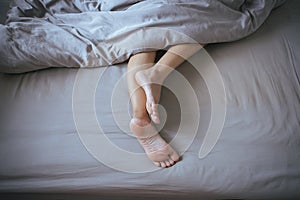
(44, 154)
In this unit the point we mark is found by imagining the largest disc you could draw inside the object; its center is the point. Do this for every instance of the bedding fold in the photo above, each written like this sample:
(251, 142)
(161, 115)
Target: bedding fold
(42, 33)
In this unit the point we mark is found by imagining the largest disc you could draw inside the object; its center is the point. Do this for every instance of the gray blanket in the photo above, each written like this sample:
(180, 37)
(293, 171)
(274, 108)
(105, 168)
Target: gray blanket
(256, 157)
(78, 33)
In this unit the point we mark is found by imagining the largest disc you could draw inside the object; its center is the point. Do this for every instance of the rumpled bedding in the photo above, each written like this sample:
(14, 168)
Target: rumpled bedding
(59, 33)
(256, 157)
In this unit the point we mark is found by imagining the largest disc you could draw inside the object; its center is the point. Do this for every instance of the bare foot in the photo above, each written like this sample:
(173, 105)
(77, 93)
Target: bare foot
(156, 148)
(151, 82)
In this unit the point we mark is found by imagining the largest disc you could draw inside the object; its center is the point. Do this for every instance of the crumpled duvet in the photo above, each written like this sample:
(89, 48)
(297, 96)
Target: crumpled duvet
(79, 33)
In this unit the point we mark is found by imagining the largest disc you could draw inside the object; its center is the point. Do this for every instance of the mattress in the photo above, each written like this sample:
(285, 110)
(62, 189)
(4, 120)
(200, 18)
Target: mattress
(44, 153)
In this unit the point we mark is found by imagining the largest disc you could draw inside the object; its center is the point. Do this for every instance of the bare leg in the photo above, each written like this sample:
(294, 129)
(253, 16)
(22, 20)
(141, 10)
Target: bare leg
(152, 78)
(157, 150)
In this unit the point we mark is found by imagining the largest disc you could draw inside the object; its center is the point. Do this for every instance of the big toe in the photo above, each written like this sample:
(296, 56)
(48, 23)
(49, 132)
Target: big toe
(174, 156)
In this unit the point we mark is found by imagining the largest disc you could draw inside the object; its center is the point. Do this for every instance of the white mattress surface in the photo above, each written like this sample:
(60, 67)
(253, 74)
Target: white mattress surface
(256, 156)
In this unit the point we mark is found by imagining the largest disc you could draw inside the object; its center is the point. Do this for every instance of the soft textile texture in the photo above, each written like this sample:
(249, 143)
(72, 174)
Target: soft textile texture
(58, 33)
(257, 156)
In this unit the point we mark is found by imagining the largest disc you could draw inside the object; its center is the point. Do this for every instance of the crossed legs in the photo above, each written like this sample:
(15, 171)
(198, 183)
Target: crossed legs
(144, 79)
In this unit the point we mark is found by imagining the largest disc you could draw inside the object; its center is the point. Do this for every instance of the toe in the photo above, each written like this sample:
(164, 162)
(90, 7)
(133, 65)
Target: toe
(168, 163)
(163, 164)
(174, 156)
(171, 162)
(157, 164)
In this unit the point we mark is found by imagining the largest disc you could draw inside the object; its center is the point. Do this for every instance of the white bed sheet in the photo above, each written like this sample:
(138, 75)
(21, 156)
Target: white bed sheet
(257, 155)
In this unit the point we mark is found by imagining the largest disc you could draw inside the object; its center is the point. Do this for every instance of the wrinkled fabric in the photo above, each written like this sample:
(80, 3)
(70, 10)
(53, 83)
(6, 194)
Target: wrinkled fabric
(256, 157)
(47, 33)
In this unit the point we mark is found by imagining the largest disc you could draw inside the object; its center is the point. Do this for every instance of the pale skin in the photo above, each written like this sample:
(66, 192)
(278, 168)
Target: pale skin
(144, 80)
